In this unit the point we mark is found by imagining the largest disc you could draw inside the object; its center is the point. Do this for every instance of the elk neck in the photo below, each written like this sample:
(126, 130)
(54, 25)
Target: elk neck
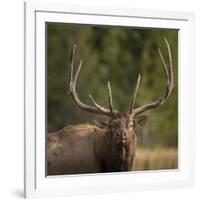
(114, 157)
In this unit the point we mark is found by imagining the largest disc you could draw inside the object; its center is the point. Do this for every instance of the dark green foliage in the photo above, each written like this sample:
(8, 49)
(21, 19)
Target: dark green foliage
(118, 55)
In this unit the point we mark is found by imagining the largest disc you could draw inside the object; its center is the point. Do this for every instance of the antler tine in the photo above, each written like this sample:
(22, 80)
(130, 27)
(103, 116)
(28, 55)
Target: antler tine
(110, 98)
(100, 108)
(133, 99)
(170, 83)
(164, 64)
(171, 77)
(71, 69)
(77, 73)
(72, 88)
(112, 111)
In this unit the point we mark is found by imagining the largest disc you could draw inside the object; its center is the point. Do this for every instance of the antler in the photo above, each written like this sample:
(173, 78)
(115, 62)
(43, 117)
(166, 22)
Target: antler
(135, 94)
(96, 108)
(168, 89)
(72, 88)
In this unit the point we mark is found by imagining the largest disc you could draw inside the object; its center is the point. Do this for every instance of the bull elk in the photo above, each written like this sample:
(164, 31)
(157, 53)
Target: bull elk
(108, 146)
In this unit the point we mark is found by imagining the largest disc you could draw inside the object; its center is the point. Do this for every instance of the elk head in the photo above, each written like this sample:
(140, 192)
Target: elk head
(122, 125)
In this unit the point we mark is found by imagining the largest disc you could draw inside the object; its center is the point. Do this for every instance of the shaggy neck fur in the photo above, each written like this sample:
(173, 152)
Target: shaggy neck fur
(114, 157)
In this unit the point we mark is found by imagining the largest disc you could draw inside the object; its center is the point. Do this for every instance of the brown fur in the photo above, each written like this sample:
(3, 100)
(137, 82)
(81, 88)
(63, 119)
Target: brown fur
(87, 148)
(71, 150)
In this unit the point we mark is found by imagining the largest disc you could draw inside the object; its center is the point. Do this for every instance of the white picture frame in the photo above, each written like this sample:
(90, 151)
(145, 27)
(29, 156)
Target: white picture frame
(36, 184)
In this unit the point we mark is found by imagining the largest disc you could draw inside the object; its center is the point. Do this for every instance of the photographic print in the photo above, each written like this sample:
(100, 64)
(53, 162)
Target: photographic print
(111, 99)
(108, 92)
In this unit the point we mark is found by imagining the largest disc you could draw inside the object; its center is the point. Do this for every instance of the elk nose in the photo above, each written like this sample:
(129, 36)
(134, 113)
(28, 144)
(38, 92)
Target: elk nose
(122, 134)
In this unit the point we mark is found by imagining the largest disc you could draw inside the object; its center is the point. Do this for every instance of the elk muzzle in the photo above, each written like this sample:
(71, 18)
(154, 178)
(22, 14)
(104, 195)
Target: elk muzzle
(121, 135)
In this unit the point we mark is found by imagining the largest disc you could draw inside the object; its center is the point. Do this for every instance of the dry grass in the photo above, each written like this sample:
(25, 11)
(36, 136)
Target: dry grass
(154, 159)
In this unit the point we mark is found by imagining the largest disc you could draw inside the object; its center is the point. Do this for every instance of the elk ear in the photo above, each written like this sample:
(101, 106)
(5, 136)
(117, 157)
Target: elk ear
(141, 120)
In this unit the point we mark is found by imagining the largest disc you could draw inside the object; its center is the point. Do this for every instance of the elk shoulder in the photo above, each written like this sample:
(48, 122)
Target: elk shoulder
(73, 149)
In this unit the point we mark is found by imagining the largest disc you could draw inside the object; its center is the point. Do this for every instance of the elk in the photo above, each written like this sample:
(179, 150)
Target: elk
(108, 146)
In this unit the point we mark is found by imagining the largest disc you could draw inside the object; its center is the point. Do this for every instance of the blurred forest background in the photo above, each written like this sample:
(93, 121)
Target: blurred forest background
(116, 54)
